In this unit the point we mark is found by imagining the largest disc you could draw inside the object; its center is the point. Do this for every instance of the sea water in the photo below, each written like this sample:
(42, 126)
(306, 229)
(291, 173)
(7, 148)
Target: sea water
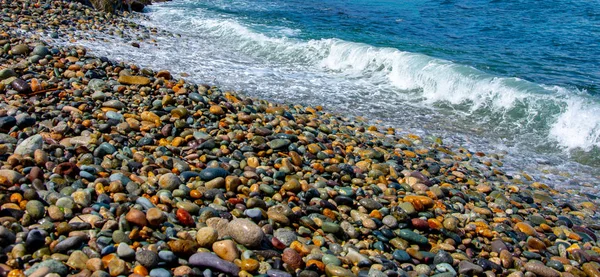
(517, 77)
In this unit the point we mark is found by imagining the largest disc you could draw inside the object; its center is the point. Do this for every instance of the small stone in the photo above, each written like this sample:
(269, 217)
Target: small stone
(212, 173)
(183, 270)
(442, 257)
(206, 237)
(125, 252)
(183, 246)
(136, 217)
(277, 273)
(35, 209)
(20, 49)
(330, 227)
(29, 145)
(77, 260)
(277, 144)
(147, 258)
(155, 216)
(160, 272)
(370, 204)
(169, 181)
(469, 268)
(82, 197)
(7, 73)
(525, 228)
(167, 256)
(292, 258)
(226, 250)
(133, 80)
(333, 270)
(216, 110)
(117, 267)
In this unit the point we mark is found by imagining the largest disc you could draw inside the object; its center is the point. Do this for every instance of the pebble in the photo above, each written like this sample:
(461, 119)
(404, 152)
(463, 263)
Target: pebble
(28, 146)
(136, 217)
(125, 252)
(226, 250)
(147, 258)
(160, 272)
(68, 244)
(214, 262)
(245, 232)
(206, 237)
(540, 269)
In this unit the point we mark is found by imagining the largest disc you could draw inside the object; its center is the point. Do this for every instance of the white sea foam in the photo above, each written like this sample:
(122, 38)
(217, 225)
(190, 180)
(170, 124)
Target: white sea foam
(364, 78)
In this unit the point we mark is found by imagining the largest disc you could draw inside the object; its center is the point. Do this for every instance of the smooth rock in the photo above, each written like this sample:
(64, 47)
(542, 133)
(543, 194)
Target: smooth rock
(29, 145)
(245, 232)
(213, 261)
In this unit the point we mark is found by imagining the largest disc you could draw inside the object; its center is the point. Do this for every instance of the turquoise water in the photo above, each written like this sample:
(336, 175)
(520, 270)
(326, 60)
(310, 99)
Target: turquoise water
(547, 42)
(516, 77)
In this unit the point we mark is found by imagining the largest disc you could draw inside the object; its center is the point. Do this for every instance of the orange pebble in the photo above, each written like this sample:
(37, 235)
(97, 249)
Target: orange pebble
(196, 194)
(16, 273)
(22, 204)
(376, 214)
(16, 197)
(318, 264)
(141, 270)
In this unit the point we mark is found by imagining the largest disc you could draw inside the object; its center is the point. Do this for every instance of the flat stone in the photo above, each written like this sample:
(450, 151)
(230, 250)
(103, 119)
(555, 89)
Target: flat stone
(370, 204)
(29, 145)
(213, 261)
(160, 272)
(212, 173)
(53, 266)
(540, 269)
(133, 80)
(333, 270)
(469, 268)
(68, 244)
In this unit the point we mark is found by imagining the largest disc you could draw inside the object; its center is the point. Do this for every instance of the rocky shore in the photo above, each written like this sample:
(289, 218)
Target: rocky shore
(109, 169)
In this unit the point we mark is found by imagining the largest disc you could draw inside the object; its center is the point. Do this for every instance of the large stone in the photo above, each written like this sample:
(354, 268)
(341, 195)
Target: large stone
(68, 243)
(29, 145)
(245, 232)
(6, 73)
(54, 266)
(213, 261)
(169, 181)
(20, 49)
(11, 176)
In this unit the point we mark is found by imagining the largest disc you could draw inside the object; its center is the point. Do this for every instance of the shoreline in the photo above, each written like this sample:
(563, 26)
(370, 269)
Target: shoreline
(110, 169)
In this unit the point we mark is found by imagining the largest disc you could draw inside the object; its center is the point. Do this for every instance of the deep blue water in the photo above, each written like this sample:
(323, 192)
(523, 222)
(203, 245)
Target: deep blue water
(516, 77)
(549, 42)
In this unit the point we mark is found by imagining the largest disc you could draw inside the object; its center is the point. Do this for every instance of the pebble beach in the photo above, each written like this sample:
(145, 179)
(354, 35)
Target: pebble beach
(111, 169)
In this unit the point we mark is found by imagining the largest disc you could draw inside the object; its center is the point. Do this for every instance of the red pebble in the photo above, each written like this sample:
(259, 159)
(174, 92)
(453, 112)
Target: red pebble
(420, 224)
(235, 200)
(184, 217)
(277, 243)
